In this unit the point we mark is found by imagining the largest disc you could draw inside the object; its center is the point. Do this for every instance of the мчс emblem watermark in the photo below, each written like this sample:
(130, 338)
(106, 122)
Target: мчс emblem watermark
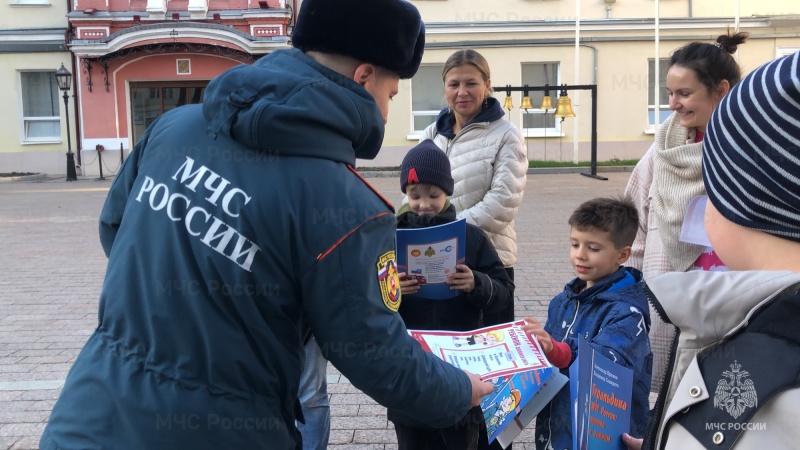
(735, 393)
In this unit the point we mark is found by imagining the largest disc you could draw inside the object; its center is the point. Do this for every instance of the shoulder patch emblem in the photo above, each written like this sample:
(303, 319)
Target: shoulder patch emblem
(737, 393)
(389, 281)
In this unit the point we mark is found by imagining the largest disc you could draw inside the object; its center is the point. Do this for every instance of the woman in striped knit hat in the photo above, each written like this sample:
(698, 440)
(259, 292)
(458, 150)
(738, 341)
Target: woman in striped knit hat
(668, 176)
(733, 381)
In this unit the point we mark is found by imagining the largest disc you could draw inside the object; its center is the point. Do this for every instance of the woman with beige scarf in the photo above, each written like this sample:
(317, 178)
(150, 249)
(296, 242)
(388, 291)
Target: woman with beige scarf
(669, 175)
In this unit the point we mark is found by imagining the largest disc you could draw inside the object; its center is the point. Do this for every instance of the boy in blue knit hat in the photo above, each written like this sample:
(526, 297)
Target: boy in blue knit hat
(483, 283)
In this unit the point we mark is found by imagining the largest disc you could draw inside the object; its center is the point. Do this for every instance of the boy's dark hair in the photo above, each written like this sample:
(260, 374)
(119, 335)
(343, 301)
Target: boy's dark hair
(617, 216)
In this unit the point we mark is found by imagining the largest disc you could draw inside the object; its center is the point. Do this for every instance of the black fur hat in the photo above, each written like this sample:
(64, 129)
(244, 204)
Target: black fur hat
(389, 33)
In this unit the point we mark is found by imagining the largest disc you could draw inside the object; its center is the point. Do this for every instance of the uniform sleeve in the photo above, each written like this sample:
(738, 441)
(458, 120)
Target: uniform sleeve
(638, 190)
(494, 289)
(358, 329)
(117, 199)
(500, 204)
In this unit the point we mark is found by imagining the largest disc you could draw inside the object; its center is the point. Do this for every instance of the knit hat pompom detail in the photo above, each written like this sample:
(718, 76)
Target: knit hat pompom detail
(751, 152)
(389, 33)
(426, 163)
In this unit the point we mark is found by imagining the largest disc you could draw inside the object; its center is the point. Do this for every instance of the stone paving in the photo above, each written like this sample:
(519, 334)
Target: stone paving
(52, 267)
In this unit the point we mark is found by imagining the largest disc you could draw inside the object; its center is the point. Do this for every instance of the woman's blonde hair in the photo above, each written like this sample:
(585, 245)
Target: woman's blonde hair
(468, 57)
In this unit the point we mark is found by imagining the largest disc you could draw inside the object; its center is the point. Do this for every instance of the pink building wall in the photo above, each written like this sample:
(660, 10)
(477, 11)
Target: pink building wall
(104, 116)
(107, 114)
(172, 5)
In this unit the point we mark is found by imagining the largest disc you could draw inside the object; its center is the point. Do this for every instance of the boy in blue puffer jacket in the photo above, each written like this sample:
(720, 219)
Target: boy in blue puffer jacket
(483, 283)
(606, 305)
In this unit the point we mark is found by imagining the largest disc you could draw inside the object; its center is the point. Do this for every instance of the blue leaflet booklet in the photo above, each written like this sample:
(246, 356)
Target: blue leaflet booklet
(600, 395)
(429, 254)
(517, 399)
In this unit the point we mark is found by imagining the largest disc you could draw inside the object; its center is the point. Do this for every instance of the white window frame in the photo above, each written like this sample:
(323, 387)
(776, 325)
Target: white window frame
(539, 132)
(415, 114)
(29, 3)
(416, 134)
(651, 107)
(786, 51)
(542, 132)
(26, 121)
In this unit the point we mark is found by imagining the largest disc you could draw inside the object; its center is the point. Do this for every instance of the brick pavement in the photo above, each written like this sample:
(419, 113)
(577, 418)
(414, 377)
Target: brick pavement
(52, 267)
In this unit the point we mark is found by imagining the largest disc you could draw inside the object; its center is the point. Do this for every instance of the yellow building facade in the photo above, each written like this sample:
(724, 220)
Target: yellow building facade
(33, 132)
(534, 42)
(525, 41)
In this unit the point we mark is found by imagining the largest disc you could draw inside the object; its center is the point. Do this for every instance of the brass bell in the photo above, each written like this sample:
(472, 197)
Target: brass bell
(564, 106)
(526, 100)
(509, 103)
(547, 103)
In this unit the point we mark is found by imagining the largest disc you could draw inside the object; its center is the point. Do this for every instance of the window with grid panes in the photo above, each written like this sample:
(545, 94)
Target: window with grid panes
(427, 96)
(535, 122)
(41, 111)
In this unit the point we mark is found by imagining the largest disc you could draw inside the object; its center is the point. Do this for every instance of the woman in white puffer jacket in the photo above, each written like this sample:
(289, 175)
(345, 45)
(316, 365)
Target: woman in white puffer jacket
(488, 159)
(487, 155)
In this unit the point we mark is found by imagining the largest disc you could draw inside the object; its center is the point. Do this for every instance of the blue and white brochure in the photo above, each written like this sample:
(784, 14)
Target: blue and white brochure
(430, 254)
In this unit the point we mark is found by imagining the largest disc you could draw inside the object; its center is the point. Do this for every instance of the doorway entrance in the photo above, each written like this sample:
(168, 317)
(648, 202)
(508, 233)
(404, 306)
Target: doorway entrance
(151, 99)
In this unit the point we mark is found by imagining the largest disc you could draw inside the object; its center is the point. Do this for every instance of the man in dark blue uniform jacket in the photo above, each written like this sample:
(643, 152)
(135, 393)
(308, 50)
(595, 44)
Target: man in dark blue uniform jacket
(239, 226)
